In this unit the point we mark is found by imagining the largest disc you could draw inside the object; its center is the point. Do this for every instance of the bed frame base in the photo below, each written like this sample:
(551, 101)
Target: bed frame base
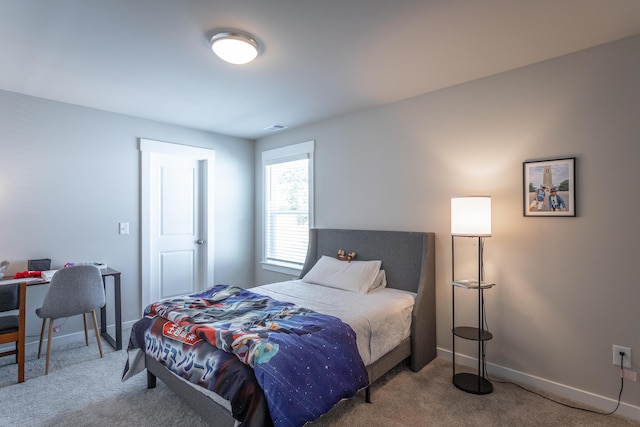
(199, 402)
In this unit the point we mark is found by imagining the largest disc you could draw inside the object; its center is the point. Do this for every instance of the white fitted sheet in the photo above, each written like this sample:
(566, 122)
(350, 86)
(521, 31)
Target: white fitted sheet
(381, 319)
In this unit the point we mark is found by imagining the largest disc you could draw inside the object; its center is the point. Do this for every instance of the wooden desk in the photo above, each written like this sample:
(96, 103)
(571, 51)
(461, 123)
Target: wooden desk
(108, 272)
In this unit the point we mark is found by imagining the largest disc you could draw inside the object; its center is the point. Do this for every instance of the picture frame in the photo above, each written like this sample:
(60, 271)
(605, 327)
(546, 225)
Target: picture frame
(549, 187)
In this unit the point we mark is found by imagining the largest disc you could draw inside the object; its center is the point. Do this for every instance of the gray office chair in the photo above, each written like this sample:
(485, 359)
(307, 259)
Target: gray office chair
(72, 291)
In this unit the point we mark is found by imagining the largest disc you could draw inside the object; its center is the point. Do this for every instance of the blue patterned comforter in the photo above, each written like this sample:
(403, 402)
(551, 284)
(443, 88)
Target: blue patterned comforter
(305, 362)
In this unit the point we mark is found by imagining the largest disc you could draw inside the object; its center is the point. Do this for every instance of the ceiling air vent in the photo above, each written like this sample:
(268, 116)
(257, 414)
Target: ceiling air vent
(276, 127)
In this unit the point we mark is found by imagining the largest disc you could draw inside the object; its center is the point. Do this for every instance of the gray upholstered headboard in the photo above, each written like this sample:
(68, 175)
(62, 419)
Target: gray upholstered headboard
(402, 253)
(408, 259)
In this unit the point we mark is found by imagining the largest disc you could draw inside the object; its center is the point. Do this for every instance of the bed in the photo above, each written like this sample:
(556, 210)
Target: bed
(408, 259)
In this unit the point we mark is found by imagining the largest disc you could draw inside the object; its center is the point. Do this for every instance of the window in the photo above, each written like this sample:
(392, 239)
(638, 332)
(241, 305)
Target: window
(287, 206)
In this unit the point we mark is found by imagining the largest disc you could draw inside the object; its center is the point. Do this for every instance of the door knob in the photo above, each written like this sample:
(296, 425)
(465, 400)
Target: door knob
(199, 241)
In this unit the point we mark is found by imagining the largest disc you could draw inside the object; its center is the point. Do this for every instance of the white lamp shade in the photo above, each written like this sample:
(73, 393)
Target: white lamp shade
(471, 216)
(235, 48)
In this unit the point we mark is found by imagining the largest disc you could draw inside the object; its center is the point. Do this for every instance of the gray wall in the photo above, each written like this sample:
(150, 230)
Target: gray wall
(69, 174)
(565, 290)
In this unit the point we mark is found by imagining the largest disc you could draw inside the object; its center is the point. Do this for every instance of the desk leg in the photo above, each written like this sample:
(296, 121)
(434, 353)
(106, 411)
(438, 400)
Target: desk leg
(118, 297)
(117, 343)
(103, 311)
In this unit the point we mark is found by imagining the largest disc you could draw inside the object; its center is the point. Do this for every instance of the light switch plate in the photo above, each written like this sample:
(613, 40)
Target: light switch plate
(123, 228)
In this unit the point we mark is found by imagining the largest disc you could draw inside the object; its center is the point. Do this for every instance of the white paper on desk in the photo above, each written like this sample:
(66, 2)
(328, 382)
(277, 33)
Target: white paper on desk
(48, 274)
(26, 279)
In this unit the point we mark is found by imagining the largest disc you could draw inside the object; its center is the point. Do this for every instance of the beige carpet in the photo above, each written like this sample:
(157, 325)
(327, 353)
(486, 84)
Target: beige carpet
(84, 390)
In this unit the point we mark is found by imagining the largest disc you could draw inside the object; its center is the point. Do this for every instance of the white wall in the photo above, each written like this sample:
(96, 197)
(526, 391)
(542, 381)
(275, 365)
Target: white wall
(69, 174)
(565, 290)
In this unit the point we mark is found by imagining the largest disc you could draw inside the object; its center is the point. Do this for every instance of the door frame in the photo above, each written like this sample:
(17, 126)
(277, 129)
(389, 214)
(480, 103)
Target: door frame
(207, 158)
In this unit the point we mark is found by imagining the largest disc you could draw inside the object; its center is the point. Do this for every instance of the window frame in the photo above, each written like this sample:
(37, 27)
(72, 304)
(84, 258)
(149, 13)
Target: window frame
(281, 155)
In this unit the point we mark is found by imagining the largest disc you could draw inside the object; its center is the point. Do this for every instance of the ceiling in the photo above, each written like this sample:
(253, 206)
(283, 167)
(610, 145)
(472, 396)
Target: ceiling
(319, 59)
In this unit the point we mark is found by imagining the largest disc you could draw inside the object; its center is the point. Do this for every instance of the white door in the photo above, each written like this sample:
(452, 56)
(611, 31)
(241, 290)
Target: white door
(176, 220)
(176, 239)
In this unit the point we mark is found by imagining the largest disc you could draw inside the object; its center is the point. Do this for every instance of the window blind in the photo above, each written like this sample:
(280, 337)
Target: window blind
(287, 211)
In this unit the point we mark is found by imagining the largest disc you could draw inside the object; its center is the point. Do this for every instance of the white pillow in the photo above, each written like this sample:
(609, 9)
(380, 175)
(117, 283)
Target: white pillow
(380, 281)
(354, 276)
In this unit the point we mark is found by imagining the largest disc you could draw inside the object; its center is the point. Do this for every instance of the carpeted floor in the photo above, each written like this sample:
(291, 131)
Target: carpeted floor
(84, 390)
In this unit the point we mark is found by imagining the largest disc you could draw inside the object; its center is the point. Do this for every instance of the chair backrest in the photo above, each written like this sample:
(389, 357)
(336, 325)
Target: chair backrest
(12, 327)
(9, 297)
(12, 297)
(73, 290)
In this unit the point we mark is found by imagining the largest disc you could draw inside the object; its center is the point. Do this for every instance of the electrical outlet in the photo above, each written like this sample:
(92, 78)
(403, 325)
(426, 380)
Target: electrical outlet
(627, 355)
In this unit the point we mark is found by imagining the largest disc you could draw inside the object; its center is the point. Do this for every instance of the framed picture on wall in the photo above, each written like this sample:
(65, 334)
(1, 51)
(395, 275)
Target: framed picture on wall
(549, 187)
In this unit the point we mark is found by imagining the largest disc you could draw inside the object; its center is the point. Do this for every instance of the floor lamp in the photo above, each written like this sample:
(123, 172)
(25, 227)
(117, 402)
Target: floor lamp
(471, 217)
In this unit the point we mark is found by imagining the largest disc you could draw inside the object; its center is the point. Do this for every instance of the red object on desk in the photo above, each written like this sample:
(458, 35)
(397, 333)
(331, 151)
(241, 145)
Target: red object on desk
(27, 273)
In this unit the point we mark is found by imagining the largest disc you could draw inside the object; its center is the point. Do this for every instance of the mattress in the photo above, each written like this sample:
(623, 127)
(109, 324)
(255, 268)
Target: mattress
(381, 319)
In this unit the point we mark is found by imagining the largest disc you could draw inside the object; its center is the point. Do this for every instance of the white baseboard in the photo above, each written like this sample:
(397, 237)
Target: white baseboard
(601, 402)
(31, 346)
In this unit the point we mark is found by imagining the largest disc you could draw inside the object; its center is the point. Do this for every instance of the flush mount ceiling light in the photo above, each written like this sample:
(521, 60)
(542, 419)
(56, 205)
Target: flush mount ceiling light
(234, 47)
